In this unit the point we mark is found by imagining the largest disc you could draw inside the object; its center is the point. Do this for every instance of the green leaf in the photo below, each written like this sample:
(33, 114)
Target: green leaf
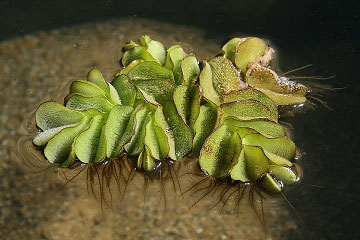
(281, 146)
(204, 125)
(225, 77)
(80, 102)
(206, 84)
(96, 77)
(86, 88)
(264, 126)
(60, 148)
(190, 69)
(146, 161)
(187, 102)
(43, 137)
(270, 184)
(90, 144)
(247, 110)
(249, 51)
(175, 55)
(280, 89)
(229, 48)
(126, 91)
(137, 52)
(220, 151)
(118, 129)
(284, 174)
(150, 70)
(238, 172)
(250, 93)
(257, 163)
(155, 48)
(127, 69)
(155, 139)
(50, 115)
(136, 143)
(178, 133)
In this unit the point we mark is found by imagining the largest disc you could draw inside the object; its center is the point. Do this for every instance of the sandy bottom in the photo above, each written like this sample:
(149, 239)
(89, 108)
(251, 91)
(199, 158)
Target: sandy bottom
(37, 68)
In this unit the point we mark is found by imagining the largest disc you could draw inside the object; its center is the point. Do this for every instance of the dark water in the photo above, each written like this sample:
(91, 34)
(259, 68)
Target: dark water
(323, 33)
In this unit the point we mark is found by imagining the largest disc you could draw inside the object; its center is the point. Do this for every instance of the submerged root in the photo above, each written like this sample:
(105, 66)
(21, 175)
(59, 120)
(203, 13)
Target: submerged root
(166, 176)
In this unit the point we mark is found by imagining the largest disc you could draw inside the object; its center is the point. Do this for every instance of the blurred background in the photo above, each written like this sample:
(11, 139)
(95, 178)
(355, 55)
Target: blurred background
(323, 33)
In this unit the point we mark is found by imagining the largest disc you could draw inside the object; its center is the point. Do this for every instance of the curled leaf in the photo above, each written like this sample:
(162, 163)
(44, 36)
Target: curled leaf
(280, 89)
(187, 102)
(257, 163)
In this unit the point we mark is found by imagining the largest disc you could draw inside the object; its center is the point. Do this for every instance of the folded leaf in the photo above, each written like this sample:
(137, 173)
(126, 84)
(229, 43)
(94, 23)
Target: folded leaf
(206, 84)
(178, 133)
(257, 163)
(187, 102)
(96, 77)
(146, 161)
(136, 143)
(190, 69)
(238, 172)
(155, 48)
(204, 125)
(175, 55)
(150, 70)
(118, 129)
(87, 89)
(155, 139)
(284, 174)
(229, 48)
(90, 144)
(270, 184)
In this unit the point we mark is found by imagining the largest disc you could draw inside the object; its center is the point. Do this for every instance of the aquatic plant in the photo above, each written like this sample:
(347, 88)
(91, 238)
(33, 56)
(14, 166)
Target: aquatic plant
(162, 106)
